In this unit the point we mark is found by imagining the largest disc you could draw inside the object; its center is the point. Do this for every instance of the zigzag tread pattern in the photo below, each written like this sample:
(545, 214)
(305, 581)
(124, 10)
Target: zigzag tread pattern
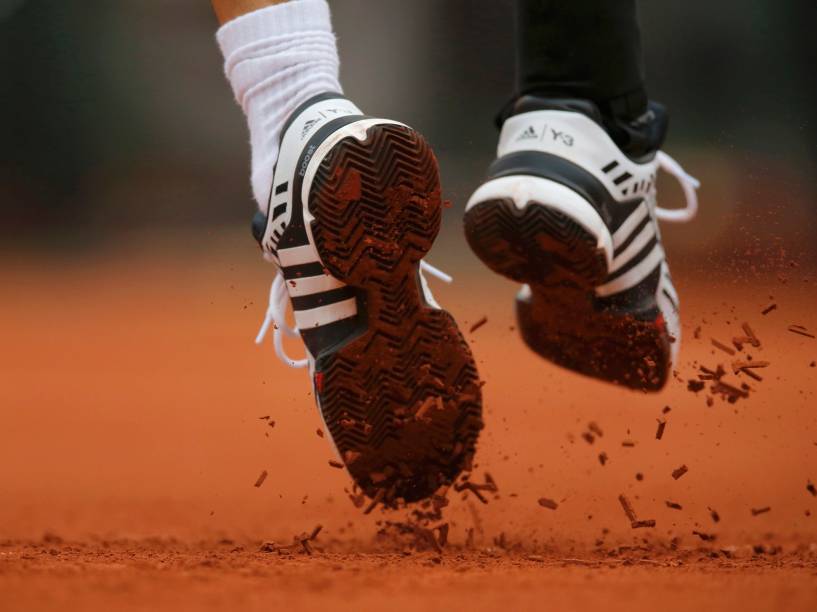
(379, 201)
(563, 321)
(536, 244)
(402, 399)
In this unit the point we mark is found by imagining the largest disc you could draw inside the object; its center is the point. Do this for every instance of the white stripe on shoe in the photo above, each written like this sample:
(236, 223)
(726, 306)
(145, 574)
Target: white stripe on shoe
(312, 285)
(635, 275)
(297, 256)
(630, 224)
(634, 247)
(323, 315)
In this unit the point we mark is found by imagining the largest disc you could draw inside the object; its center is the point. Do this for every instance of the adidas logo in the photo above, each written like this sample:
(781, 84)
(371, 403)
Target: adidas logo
(308, 126)
(528, 134)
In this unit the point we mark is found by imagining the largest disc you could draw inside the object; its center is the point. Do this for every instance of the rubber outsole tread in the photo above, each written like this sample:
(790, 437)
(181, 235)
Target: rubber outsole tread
(534, 245)
(562, 320)
(401, 399)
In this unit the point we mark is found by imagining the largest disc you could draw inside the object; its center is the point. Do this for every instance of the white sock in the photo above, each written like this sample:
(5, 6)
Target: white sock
(276, 58)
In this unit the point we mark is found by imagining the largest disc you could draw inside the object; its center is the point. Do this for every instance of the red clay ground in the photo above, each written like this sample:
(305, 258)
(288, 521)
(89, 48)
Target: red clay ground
(172, 576)
(131, 439)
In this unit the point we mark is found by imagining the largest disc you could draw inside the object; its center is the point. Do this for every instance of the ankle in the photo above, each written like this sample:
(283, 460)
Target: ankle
(276, 59)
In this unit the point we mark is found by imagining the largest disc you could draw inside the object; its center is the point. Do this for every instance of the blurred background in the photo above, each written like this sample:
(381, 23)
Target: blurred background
(116, 115)
(130, 390)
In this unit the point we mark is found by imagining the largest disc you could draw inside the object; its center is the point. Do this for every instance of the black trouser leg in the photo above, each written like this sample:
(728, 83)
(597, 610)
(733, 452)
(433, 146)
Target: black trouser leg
(588, 49)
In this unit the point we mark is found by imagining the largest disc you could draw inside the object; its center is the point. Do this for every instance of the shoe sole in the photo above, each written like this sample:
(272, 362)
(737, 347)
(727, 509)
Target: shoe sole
(562, 319)
(401, 396)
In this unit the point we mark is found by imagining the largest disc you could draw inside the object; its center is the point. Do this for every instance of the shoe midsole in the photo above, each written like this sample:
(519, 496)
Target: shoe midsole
(525, 190)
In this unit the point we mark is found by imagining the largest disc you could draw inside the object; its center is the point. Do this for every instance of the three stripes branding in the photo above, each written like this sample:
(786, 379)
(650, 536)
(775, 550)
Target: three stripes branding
(637, 246)
(317, 298)
(529, 134)
(621, 179)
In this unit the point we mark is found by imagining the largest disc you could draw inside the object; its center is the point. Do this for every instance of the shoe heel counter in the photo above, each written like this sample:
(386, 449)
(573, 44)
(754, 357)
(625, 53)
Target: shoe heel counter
(298, 132)
(577, 139)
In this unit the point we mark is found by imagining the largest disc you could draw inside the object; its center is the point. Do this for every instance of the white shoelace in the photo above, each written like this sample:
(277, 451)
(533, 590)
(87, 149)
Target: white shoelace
(276, 315)
(688, 183)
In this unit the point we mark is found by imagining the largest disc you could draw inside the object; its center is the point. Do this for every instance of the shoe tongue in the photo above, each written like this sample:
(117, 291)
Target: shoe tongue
(643, 135)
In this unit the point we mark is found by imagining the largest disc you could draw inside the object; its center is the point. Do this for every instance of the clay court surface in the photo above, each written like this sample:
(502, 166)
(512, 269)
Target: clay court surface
(132, 436)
